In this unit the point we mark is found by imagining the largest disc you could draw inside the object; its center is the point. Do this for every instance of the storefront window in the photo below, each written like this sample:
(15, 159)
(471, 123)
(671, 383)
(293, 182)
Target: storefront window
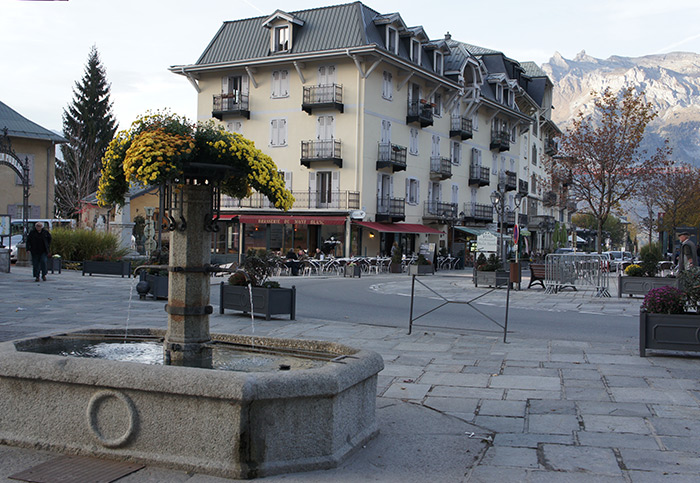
(255, 237)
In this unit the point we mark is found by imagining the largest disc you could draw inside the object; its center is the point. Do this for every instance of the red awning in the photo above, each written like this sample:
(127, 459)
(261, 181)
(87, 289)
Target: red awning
(227, 217)
(399, 227)
(292, 219)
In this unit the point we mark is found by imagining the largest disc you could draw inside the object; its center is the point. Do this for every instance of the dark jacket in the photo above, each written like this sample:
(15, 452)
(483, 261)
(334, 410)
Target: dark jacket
(39, 242)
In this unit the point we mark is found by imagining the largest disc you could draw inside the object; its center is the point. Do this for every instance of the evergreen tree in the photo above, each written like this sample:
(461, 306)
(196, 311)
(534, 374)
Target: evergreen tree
(88, 125)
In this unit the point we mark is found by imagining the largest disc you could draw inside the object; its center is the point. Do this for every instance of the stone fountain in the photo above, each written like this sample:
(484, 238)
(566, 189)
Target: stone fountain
(183, 414)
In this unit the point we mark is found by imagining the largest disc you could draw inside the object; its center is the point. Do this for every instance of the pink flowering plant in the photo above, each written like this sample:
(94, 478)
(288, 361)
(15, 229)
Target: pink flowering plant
(664, 300)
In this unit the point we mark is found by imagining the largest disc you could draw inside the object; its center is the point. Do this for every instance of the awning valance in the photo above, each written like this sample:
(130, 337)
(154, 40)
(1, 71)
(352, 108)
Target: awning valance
(474, 231)
(292, 219)
(398, 227)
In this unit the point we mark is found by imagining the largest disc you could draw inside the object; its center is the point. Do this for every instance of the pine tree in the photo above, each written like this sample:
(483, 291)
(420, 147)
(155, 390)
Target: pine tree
(88, 125)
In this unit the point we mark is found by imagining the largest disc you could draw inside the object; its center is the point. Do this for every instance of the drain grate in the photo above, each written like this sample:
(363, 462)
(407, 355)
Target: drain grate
(77, 469)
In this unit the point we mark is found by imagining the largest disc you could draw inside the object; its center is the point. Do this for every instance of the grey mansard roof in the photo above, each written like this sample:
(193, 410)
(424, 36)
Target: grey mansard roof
(20, 127)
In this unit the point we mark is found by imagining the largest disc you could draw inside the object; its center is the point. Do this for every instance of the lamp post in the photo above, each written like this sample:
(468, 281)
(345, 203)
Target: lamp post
(498, 200)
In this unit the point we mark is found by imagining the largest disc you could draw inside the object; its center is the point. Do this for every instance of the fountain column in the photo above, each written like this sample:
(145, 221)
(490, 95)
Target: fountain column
(188, 289)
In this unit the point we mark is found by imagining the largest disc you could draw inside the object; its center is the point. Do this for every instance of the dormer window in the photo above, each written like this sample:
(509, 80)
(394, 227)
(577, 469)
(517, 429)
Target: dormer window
(415, 51)
(499, 93)
(281, 41)
(392, 39)
(438, 62)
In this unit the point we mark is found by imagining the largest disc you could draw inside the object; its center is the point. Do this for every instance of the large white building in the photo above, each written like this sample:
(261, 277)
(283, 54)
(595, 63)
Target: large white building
(382, 133)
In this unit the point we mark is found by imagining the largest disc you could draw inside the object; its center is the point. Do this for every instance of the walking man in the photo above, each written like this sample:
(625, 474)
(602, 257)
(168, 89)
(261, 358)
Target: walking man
(688, 256)
(38, 243)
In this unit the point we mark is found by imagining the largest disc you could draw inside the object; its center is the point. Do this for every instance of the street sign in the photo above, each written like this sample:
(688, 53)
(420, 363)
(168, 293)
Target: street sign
(487, 242)
(516, 234)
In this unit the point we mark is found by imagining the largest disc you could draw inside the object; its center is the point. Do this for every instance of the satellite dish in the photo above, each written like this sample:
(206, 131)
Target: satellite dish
(357, 215)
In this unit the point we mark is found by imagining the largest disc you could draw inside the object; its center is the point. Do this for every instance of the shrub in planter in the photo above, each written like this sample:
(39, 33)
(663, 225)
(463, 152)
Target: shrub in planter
(690, 284)
(651, 256)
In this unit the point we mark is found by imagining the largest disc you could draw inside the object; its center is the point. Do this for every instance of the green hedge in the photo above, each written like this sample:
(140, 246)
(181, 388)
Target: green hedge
(81, 245)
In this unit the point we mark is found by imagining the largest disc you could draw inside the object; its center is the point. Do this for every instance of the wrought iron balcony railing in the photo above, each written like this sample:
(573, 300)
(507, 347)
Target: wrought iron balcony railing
(478, 212)
(479, 175)
(391, 156)
(440, 210)
(440, 167)
(523, 187)
(322, 97)
(390, 209)
(420, 112)
(550, 147)
(510, 180)
(500, 140)
(303, 200)
(232, 104)
(461, 127)
(321, 150)
(522, 219)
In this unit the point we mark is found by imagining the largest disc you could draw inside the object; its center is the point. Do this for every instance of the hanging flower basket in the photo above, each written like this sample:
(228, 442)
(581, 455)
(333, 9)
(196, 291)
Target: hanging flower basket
(165, 148)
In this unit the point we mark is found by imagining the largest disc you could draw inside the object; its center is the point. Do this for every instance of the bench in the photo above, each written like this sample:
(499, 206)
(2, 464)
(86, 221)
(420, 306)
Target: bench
(537, 274)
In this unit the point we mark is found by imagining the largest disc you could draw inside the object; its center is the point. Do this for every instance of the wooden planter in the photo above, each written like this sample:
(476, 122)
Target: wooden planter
(642, 285)
(420, 270)
(266, 301)
(352, 271)
(674, 332)
(491, 279)
(122, 268)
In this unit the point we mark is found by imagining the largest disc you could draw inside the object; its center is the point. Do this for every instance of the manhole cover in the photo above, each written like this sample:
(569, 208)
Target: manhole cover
(77, 469)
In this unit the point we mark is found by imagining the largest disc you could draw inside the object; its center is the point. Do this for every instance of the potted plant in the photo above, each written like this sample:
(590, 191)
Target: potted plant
(421, 267)
(251, 284)
(352, 269)
(639, 279)
(488, 271)
(669, 319)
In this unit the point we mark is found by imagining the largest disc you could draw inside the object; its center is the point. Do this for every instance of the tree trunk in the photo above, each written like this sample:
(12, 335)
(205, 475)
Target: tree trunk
(599, 238)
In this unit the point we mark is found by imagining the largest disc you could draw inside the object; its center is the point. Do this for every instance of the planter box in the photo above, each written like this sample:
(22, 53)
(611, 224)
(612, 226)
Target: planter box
(420, 270)
(395, 268)
(122, 268)
(674, 332)
(642, 285)
(491, 279)
(266, 301)
(157, 285)
(352, 271)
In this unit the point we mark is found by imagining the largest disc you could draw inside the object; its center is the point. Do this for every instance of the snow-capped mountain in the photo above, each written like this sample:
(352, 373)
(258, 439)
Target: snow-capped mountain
(671, 83)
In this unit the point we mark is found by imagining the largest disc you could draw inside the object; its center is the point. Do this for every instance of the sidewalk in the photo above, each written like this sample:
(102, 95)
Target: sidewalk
(450, 407)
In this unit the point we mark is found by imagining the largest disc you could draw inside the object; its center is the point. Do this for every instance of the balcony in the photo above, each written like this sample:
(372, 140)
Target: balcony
(509, 219)
(479, 175)
(550, 147)
(523, 187)
(391, 156)
(233, 104)
(479, 213)
(509, 179)
(522, 220)
(440, 211)
(303, 200)
(541, 223)
(500, 140)
(549, 198)
(390, 210)
(461, 127)
(321, 150)
(440, 168)
(420, 112)
(322, 97)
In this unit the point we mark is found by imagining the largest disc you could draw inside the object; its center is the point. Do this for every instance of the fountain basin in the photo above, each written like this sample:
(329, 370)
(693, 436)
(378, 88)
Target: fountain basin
(223, 423)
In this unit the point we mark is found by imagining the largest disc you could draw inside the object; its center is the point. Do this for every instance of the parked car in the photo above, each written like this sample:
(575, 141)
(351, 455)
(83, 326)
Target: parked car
(559, 251)
(619, 259)
(14, 240)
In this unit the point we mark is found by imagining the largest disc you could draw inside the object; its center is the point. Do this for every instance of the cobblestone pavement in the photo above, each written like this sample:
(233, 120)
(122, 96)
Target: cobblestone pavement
(451, 407)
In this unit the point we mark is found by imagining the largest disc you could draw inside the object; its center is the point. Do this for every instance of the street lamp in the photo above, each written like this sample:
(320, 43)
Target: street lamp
(498, 200)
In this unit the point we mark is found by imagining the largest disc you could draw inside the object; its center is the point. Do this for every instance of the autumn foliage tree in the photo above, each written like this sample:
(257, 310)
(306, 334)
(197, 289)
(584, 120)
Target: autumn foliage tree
(601, 158)
(678, 197)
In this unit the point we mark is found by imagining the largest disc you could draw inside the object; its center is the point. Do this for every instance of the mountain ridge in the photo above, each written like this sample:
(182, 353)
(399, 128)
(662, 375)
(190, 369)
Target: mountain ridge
(671, 83)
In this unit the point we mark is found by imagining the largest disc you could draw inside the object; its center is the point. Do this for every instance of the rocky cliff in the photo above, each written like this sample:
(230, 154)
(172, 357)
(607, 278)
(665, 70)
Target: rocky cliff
(671, 83)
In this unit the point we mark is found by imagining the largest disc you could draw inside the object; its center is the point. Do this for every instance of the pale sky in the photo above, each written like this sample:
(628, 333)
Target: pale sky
(45, 44)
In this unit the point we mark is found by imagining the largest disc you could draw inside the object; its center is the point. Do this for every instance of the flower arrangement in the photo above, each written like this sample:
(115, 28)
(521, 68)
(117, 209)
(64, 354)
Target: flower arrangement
(664, 300)
(635, 270)
(159, 146)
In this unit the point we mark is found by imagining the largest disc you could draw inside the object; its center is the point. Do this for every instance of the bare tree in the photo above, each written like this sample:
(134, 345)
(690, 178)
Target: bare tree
(602, 160)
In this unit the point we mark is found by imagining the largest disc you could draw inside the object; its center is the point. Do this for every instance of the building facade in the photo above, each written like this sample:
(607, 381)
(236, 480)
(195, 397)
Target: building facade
(381, 133)
(36, 145)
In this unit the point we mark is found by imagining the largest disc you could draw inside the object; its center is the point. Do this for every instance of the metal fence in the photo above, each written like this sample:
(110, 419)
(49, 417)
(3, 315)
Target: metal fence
(577, 271)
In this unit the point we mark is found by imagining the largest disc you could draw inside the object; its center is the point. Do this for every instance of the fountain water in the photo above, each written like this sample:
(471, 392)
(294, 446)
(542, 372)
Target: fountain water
(226, 423)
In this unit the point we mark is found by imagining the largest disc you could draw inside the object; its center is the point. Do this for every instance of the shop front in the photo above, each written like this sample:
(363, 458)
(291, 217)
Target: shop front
(370, 239)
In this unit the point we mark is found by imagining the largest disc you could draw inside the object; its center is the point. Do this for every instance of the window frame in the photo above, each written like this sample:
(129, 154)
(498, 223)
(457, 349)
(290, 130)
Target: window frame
(283, 130)
(387, 86)
(439, 62)
(282, 84)
(392, 39)
(276, 44)
(416, 48)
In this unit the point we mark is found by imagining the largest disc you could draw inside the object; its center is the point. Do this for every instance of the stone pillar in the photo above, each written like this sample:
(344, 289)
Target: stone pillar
(188, 293)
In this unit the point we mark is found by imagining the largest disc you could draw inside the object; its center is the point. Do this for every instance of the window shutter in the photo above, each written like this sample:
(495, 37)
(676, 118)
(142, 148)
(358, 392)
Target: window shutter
(245, 84)
(312, 181)
(283, 132)
(284, 79)
(418, 192)
(273, 131)
(408, 190)
(224, 84)
(430, 192)
(379, 185)
(335, 181)
(455, 193)
(288, 180)
(391, 187)
(275, 83)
